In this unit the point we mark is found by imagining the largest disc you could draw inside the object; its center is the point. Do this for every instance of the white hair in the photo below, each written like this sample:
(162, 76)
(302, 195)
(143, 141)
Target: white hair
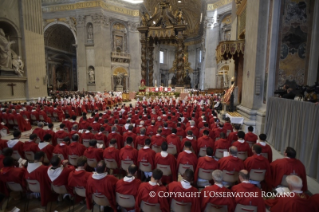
(192, 123)
(217, 176)
(294, 182)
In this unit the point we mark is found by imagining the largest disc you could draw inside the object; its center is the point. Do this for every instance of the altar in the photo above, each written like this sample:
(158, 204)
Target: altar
(235, 118)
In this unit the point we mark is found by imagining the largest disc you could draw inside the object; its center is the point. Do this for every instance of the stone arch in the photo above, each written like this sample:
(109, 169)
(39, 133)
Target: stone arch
(64, 24)
(120, 69)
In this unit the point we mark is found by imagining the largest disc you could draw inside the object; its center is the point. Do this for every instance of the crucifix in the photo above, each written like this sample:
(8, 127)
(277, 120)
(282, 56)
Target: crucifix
(11, 84)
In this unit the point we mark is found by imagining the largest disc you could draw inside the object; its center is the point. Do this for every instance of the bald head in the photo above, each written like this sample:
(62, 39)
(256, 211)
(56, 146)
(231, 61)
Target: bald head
(233, 150)
(243, 175)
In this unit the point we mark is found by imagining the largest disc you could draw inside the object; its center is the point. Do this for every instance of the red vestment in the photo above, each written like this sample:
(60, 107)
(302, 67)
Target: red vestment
(194, 130)
(129, 134)
(143, 195)
(193, 142)
(166, 132)
(61, 134)
(128, 188)
(177, 187)
(105, 186)
(207, 163)
(146, 155)
(30, 146)
(59, 113)
(186, 158)
(207, 196)
(23, 124)
(205, 141)
(244, 200)
(157, 140)
(151, 130)
(112, 153)
(16, 146)
(168, 160)
(243, 147)
(174, 140)
(180, 132)
(87, 135)
(45, 116)
(78, 178)
(231, 163)
(215, 133)
(37, 171)
(266, 149)
(101, 137)
(52, 133)
(11, 174)
(47, 148)
(140, 140)
(251, 137)
(62, 149)
(221, 144)
(228, 127)
(128, 153)
(288, 166)
(61, 178)
(76, 148)
(232, 137)
(117, 137)
(39, 132)
(94, 153)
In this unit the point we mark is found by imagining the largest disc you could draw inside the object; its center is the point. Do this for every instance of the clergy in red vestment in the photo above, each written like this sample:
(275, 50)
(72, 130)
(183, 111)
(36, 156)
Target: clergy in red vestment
(258, 162)
(173, 139)
(101, 139)
(288, 166)
(112, 152)
(185, 186)
(92, 152)
(242, 146)
(154, 186)
(246, 186)
(221, 143)
(204, 142)
(163, 159)
(265, 148)
(61, 134)
(165, 130)
(191, 138)
(233, 136)
(9, 173)
(157, 140)
(151, 130)
(24, 125)
(45, 116)
(75, 147)
(186, 157)
(101, 183)
(145, 158)
(227, 125)
(78, 177)
(16, 145)
(298, 201)
(130, 133)
(119, 139)
(206, 127)
(250, 136)
(140, 139)
(6, 152)
(106, 126)
(58, 112)
(129, 184)
(52, 133)
(192, 128)
(207, 163)
(39, 131)
(208, 194)
(31, 145)
(96, 125)
(315, 200)
(37, 171)
(62, 149)
(59, 173)
(232, 162)
(128, 153)
(87, 136)
(215, 133)
(46, 147)
(84, 123)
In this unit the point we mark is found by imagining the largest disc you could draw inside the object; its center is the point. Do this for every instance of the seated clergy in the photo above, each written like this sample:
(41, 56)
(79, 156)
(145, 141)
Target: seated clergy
(75, 148)
(37, 171)
(206, 163)
(6, 152)
(243, 148)
(60, 134)
(129, 133)
(129, 184)
(265, 148)
(204, 142)
(186, 158)
(145, 159)
(192, 128)
(208, 197)
(59, 173)
(227, 126)
(52, 133)
(78, 177)
(114, 134)
(257, 163)
(162, 161)
(112, 153)
(140, 139)
(16, 145)
(154, 185)
(39, 131)
(93, 153)
(289, 165)
(185, 186)
(300, 201)
(46, 147)
(101, 183)
(192, 140)
(62, 148)
(30, 146)
(246, 186)
(250, 137)
(9, 173)
(101, 138)
(174, 140)
(221, 143)
(233, 136)
(128, 153)
(157, 140)
(165, 130)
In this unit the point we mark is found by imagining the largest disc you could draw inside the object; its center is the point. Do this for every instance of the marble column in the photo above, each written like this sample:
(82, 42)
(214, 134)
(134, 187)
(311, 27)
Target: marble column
(180, 59)
(150, 64)
(143, 57)
(53, 77)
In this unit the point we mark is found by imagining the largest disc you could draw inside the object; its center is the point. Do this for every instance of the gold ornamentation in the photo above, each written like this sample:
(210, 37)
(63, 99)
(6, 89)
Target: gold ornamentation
(218, 4)
(229, 49)
(90, 4)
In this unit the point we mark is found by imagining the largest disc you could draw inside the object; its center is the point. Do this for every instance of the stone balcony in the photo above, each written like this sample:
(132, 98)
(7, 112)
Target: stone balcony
(120, 57)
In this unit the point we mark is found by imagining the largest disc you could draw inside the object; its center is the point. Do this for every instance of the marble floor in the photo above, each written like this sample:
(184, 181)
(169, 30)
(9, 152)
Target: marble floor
(313, 185)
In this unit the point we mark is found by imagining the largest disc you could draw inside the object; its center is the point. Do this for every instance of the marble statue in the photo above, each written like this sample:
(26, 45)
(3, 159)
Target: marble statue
(91, 75)
(119, 78)
(90, 32)
(18, 66)
(5, 51)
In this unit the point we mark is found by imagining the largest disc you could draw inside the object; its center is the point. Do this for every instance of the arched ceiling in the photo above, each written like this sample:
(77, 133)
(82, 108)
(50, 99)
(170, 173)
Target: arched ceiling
(192, 10)
(59, 37)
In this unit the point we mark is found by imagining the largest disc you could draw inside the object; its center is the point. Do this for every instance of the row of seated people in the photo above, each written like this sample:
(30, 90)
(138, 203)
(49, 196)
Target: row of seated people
(129, 193)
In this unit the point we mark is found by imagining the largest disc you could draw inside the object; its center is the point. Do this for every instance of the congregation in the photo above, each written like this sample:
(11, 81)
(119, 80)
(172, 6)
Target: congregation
(128, 157)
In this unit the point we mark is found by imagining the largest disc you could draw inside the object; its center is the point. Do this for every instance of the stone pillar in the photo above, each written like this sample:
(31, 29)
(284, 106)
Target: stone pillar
(143, 57)
(150, 64)
(180, 59)
(53, 77)
(126, 83)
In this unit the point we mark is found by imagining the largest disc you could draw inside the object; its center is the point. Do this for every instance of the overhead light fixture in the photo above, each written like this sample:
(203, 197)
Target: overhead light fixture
(154, 22)
(179, 1)
(134, 1)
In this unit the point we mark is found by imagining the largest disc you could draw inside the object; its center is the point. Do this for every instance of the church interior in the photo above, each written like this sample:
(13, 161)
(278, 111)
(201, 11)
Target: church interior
(222, 93)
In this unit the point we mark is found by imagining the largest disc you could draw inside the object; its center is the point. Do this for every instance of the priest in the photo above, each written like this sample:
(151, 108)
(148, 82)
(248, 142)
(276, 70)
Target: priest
(187, 157)
(207, 163)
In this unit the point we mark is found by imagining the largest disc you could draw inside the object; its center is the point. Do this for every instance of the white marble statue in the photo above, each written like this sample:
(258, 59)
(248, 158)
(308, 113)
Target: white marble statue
(119, 78)
(5, 51)
(18, 66)
(91, 75)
